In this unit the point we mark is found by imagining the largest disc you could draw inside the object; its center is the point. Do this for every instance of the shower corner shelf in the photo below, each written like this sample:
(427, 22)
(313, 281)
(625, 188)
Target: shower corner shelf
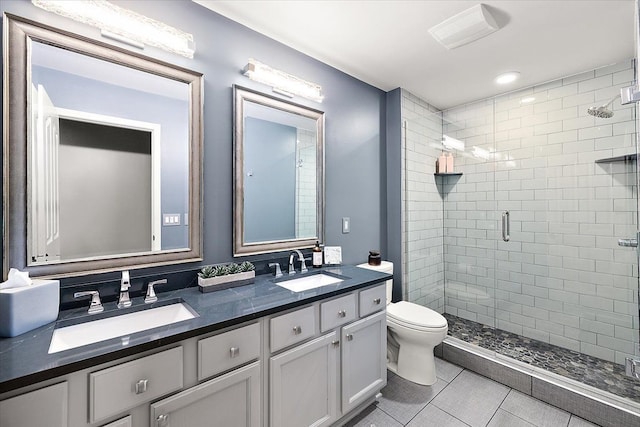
(623, 158)
(448, 174)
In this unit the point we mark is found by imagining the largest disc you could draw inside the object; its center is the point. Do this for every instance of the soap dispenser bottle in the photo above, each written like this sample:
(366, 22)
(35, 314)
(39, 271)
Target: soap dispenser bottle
(317, 255)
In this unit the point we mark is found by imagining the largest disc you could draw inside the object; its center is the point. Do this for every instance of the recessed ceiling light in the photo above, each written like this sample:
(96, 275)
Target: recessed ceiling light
(507, 78)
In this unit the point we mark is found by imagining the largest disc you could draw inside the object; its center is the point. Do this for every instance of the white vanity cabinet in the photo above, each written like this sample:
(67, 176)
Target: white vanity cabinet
(318, 382)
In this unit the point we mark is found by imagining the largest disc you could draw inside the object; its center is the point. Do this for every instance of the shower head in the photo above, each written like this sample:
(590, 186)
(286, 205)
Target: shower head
(602, 111)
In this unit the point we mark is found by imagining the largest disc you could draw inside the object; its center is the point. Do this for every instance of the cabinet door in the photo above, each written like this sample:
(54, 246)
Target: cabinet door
(46, 407)
(364, 359)
(304, 384)
(232, 399)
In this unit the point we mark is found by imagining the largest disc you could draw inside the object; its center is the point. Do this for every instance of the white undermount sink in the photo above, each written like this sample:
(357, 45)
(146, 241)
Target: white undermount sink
(117, 326)
(306, 283)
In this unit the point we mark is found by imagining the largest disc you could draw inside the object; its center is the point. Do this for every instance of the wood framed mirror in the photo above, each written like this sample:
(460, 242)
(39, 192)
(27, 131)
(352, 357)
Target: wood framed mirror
(102, 156)
(279, 174)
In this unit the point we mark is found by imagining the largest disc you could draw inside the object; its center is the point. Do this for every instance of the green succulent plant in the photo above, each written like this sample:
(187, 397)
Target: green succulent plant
(247, 266)
(233, 268)
(206, 272)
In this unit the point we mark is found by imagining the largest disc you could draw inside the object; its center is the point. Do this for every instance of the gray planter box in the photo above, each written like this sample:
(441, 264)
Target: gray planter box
(224, 282)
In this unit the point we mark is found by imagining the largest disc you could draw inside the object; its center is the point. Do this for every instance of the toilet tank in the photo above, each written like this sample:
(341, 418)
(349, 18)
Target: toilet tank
(384, 267)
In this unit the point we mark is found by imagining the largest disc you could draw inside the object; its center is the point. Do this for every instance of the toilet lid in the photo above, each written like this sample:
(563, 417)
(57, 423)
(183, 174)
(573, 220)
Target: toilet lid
(416, 315)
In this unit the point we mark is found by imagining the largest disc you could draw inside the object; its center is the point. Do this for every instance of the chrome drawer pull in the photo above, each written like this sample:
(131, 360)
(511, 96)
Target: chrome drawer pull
(234, 351)
(342, 313)
(141, 386)
(377, 301)
(335, 343)
(162, 420)
(297, 330)
(349, 337)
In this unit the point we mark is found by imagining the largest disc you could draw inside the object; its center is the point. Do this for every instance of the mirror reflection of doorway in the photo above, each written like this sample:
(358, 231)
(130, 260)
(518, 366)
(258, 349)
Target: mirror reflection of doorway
(98, 165)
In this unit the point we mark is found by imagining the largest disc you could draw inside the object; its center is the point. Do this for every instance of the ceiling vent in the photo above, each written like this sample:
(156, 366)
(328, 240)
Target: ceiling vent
(465, 27)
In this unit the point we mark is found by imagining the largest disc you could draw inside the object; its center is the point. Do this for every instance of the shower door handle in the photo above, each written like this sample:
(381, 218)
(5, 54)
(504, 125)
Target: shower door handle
(629, 243)
(506, 226)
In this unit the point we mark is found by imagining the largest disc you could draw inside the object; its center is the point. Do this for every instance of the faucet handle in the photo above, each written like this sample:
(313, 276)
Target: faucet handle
(96, 305)
(151, 293)
(303, 265)
(278, 272)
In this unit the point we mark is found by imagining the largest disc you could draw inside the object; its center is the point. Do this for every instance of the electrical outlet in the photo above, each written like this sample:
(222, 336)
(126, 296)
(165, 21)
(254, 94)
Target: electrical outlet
(346, 225)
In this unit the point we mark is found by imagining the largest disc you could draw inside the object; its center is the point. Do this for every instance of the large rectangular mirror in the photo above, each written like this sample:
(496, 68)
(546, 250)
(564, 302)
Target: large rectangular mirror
(102, 156)
(279, 174)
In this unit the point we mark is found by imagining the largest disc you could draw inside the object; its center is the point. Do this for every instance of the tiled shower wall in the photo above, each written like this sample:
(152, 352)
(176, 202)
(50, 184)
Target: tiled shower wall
(423, 273)
(561, 278)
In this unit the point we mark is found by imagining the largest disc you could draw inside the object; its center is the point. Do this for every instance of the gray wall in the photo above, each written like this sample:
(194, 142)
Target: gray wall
(354, 137)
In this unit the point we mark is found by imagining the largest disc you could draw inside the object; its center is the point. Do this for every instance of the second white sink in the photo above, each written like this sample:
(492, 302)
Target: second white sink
(305, 283)
(112, 327)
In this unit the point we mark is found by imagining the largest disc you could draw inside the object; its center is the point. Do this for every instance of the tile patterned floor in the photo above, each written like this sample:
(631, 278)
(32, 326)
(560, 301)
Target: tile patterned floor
(589, 370)
(460, 398)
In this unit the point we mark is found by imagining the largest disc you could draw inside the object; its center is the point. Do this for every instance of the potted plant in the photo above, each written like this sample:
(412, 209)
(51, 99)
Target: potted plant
(223, 276)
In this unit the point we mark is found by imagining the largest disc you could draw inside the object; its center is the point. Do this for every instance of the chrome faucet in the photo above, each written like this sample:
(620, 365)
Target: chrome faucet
(125, 284)
(303, 264)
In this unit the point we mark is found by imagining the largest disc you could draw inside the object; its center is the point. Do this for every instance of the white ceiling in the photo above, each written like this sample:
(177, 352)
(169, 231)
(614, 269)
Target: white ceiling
(387, 43)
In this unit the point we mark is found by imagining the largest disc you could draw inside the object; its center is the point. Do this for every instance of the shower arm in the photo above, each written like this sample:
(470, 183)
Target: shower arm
(611, 102)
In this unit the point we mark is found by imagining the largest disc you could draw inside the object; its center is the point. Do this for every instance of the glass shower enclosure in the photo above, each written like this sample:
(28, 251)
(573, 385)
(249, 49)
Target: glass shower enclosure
(518, 244)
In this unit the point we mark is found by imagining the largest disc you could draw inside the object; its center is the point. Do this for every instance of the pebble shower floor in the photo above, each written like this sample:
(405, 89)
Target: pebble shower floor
(602, 374)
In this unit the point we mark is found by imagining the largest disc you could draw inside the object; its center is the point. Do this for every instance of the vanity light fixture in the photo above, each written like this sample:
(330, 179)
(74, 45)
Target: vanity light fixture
(281, 82)
(506, 78)
(122, 24)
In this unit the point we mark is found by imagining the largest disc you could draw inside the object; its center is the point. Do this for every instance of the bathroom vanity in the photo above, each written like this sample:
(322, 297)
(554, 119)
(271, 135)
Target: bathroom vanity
(257, 355)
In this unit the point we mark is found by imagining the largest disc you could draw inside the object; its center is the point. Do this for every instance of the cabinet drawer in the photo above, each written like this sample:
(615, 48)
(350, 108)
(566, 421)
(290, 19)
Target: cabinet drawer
(46, 407)
(292, 328)
(372, 300)
(337, 312)
(125, 386)
(225, 351)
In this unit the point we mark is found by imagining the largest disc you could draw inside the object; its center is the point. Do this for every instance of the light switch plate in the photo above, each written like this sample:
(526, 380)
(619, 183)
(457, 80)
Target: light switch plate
(346, 225)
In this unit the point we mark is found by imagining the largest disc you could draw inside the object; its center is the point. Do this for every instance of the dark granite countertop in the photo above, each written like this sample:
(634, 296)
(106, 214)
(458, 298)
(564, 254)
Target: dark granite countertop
(24, 359)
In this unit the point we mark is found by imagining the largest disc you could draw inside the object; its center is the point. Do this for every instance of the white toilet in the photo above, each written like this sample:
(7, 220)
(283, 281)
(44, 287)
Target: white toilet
(412, 333)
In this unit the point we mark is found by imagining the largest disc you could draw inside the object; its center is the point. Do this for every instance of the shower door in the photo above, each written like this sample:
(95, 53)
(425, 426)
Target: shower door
(566, 190)
(531, 227)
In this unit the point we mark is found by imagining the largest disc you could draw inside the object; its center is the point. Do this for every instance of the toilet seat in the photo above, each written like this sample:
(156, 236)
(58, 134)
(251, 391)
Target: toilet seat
(414, 316)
